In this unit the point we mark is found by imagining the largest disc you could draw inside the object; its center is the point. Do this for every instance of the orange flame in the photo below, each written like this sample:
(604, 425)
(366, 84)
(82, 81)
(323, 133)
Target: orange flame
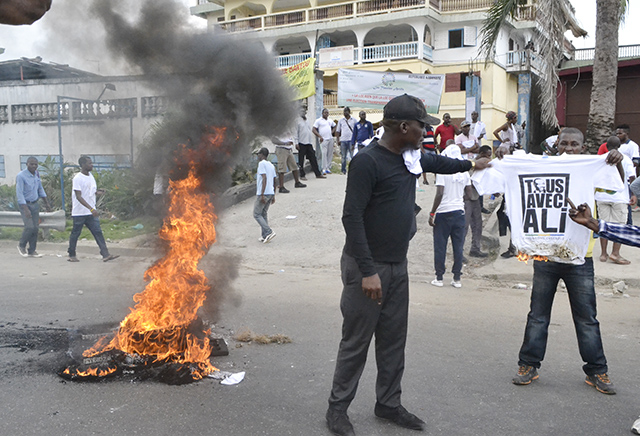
(522, 257)
(91, 372)
(158, 325)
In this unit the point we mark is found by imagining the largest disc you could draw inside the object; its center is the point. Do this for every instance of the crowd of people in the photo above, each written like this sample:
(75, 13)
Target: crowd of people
(379, 217)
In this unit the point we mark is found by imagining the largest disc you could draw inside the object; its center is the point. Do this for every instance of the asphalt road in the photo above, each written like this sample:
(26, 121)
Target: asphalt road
(461, 352)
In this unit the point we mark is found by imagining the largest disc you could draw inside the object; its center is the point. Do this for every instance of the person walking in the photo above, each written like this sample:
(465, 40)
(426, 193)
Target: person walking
(286, 162)
(379, 220)
(28, 191)
(84, 212)
(303, 138)
(265, 194)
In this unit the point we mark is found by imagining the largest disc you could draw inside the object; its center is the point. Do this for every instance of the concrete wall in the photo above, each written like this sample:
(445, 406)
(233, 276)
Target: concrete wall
(101, 135)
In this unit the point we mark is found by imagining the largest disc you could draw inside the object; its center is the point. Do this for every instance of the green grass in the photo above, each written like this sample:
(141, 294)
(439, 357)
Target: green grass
(113, 230)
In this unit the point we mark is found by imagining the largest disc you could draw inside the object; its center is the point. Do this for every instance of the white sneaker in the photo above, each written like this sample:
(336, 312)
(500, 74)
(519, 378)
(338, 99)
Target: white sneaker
(269, 237)
(635, 428)
(260, 239)
(22, 251)
(436, 282)
(34, 254)
(456, 283)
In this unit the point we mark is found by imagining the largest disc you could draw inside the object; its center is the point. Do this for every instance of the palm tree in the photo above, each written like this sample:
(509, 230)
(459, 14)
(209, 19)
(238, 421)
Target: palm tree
(553, 18)
(602, 107)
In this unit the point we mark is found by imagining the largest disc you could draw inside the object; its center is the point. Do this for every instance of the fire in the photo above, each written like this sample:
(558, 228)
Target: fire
(162, 326)
(523, 257)
(91, 372)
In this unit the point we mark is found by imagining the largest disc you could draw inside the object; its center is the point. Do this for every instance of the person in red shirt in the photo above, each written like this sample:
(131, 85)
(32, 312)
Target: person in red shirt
(446, 131)
(603, 149)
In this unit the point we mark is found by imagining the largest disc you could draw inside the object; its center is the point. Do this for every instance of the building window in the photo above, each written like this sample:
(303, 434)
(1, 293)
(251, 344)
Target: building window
(2, 173)
(455, 38)
(455, 82)
(465, 37)
(46, 162)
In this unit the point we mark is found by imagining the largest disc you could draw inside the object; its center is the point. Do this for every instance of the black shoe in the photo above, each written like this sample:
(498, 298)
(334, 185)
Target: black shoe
(283, 190)
(338, 423)
(400, 416)
(487, 211)
(474, 253)
(526, 374)
(601, 382)
(300, 185)
(507, 254)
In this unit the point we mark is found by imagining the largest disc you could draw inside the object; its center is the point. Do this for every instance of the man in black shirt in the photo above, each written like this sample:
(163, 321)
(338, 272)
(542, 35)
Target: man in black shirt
(379, 221)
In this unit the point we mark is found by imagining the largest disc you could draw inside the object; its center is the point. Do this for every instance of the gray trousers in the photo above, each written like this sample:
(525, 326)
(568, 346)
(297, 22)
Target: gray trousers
(31, 225)
(362, 319)
(473, 215)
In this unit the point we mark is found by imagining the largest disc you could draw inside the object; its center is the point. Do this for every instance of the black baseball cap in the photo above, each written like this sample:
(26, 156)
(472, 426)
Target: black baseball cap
(406, 108)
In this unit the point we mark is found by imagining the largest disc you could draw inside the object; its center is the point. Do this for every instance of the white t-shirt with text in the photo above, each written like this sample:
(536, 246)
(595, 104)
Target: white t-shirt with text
(536, 189)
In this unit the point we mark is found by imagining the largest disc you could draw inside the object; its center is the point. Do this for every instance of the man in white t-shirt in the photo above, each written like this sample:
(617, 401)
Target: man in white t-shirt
(324, 129)
(447, 218)
(478, 128)
(627, 146)
(537, 190)
(265, 194)
(83, 210)
(613, 206)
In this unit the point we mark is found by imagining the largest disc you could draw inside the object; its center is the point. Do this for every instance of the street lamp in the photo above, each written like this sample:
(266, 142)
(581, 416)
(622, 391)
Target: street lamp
(109, 86)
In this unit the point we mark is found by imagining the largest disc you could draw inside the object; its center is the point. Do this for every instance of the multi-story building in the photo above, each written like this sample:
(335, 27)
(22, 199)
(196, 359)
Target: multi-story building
(416, 36)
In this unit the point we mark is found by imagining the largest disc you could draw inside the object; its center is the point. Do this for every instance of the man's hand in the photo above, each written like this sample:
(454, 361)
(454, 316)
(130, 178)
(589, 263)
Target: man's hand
(482, 163)
(95, 213)
(372, 287)
(614, 157)
(262, 199)
(432, 220)
(27, 211)
(633, 200)
(582, 215)
(273, 199)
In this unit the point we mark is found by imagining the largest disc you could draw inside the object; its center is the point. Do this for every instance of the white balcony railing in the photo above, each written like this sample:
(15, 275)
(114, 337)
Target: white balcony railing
(358, 8)
(372, 54)
(524, 60)
(624, 51)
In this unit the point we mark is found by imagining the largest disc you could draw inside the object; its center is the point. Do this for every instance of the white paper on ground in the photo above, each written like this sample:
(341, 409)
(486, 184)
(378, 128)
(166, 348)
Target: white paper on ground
(233, 379)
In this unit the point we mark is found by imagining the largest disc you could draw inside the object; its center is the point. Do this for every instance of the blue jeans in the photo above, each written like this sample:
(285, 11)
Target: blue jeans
(345, 148)
(582, 298)
(93, 224)
(30, 232)
(260, 210)
(448, 224)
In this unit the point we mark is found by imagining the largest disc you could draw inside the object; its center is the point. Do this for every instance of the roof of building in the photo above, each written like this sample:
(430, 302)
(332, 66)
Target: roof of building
(35, 69)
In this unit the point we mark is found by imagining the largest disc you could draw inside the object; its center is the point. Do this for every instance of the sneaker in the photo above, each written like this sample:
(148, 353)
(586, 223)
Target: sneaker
(300, 185)
(456, 283)
(283, 190)
(260, 239)
(338, 423)
(399, 416)
(321, 177)
(635, 428)
(601, 382)
(269, 237)
(526, 374)
(507, 254)
(22, 251)
(35, 254)
(436, 282)
(474, 253)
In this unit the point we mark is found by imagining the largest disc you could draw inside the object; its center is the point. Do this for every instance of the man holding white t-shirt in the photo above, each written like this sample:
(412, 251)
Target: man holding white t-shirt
(84, 211)
(467, 141)
(537, 190)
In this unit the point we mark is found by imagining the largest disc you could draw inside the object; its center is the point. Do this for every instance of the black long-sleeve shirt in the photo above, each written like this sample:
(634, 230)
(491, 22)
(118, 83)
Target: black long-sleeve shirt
(378, 214)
